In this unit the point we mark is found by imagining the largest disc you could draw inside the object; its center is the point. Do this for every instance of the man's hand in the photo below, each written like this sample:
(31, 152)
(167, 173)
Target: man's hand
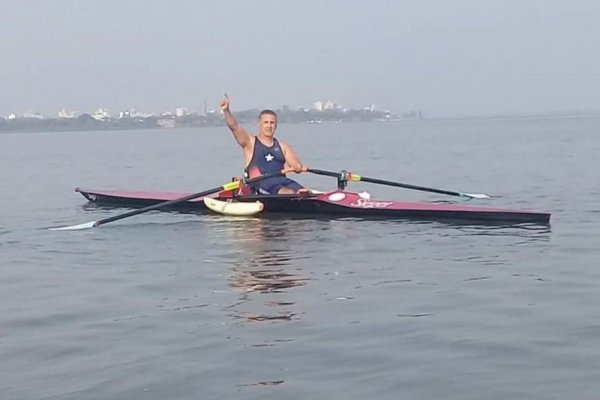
(298, 168)
(225, 103)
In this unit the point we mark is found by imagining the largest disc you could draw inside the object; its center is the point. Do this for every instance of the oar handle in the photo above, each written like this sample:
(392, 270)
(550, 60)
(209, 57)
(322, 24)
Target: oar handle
(289, 170)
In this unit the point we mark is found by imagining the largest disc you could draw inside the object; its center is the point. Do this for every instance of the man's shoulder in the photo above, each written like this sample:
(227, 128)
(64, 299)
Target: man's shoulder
(283, 143)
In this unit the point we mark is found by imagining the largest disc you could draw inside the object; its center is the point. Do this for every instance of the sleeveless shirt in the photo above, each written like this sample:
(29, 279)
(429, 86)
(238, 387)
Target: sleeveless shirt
(266, 160)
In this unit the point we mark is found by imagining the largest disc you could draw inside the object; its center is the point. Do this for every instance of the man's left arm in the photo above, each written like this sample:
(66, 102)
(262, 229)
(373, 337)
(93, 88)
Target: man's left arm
(290, 157)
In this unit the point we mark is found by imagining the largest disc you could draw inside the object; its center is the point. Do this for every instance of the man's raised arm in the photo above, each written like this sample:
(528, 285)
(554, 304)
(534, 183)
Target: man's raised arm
(240, 134)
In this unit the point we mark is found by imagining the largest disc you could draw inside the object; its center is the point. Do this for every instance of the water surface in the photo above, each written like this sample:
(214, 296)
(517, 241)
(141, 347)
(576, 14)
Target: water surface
(186, 306)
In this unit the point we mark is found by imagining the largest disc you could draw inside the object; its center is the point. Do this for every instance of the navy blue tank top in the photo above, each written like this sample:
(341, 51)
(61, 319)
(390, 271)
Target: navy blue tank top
(265, 159)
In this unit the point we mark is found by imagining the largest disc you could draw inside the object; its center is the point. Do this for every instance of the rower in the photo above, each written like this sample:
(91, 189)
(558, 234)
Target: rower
(263, 154)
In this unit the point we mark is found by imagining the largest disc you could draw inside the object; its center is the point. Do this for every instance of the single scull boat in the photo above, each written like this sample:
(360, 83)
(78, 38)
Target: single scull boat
(233, 198)
(336, 203)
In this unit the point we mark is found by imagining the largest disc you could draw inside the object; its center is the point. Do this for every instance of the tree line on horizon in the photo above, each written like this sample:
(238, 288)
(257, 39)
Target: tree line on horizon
(85, 122)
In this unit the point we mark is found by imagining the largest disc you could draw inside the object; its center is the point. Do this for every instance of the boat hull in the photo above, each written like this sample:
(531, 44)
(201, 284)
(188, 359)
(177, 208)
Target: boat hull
(337, 203)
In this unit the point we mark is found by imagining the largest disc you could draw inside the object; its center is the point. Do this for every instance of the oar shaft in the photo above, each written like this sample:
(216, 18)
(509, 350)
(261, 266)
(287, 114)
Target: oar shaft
(321, 172)
(348, 176)
(228, 186)
(166, 204)
(403, 185)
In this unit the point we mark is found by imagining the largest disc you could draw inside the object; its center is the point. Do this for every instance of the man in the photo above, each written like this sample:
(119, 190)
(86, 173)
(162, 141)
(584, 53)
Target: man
(263, 154)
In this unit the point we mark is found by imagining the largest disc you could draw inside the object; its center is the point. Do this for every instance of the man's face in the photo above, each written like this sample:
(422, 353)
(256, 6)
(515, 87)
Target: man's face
(267, 124)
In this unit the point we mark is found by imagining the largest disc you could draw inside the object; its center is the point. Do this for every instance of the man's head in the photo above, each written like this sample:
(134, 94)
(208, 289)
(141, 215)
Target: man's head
(267, 123)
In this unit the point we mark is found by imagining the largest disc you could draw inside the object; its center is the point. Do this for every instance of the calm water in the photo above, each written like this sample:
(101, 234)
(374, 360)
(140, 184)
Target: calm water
(185, 306)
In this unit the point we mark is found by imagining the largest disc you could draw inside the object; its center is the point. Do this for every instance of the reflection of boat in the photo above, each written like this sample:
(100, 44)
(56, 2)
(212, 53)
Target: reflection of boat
(336, 203)
(265, 272)
(266, 281)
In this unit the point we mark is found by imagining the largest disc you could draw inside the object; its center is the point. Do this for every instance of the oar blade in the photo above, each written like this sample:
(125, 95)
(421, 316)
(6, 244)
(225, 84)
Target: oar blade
(87, 225)
(476, 195)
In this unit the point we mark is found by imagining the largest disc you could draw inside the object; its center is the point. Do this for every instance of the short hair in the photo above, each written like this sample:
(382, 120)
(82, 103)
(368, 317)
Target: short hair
(267, 112)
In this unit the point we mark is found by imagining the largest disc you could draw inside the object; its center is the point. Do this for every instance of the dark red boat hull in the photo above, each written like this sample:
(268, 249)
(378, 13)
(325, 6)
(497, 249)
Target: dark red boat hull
(338, 203)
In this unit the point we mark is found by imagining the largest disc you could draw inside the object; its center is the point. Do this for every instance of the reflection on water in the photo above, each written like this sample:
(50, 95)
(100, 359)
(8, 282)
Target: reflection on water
(264, 267)
(266, 273)
(528, 232)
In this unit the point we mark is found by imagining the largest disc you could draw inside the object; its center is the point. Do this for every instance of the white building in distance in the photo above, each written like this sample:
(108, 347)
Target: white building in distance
(101, 114)
(31, 114)
(329, 105)
(67, 114)
(182, 112)
(324, 105)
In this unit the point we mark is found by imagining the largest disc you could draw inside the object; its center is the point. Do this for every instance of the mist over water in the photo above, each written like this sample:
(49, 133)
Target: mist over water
(173, 305)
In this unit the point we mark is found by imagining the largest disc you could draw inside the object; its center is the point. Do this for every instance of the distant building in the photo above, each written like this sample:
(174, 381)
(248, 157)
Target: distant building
(67, 114)
(137, 114)
(31, 114)
(124, 114)
(10, 116)
(182, 112)
(329, 105)
(324, 105)
(101, 114)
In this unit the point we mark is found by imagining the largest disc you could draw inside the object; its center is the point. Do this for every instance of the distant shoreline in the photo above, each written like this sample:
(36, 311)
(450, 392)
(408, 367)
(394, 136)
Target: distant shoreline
(86, 122)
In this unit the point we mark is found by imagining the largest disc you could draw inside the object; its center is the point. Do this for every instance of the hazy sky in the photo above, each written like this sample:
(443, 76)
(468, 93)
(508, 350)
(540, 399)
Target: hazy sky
(459, 57)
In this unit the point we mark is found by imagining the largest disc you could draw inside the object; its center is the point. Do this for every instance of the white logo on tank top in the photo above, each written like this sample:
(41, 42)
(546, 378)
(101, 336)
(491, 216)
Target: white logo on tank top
(269, 157)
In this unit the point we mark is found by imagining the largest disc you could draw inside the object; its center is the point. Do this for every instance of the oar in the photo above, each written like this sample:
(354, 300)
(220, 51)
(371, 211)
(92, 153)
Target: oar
(355, 177)
(227, 186)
